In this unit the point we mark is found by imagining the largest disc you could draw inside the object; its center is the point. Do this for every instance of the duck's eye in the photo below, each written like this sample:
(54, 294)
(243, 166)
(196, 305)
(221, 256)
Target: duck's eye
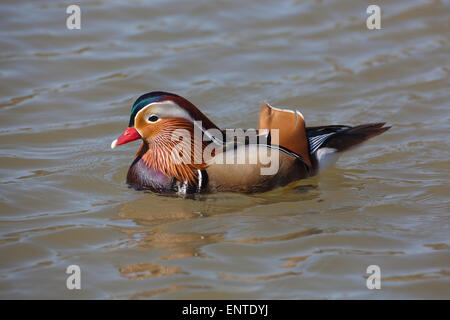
(153, 118)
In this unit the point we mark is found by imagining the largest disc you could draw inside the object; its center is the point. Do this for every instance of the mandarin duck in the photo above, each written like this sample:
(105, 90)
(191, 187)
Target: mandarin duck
(182, 151)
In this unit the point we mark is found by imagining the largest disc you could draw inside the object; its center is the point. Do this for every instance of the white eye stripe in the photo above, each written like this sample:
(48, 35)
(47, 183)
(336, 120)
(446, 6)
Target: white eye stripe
(169, 109)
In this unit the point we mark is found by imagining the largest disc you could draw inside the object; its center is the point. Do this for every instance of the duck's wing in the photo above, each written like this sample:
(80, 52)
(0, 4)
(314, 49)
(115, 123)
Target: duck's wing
(317, 136)
(254, 168)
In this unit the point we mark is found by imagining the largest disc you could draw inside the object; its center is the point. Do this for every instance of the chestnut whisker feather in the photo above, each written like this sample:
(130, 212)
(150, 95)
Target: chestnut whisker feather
(161, 156)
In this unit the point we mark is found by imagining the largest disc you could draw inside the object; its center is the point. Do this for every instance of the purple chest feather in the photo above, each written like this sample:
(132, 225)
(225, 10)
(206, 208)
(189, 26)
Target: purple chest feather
(140, 176)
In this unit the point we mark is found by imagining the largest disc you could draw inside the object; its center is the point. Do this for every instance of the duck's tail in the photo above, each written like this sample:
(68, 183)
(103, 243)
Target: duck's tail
(327, 142)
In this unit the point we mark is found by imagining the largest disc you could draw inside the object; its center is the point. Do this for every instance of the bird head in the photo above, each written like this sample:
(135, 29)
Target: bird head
(165, 122)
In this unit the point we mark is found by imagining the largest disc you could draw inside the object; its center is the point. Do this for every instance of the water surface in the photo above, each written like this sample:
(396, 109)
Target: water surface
(66, 94)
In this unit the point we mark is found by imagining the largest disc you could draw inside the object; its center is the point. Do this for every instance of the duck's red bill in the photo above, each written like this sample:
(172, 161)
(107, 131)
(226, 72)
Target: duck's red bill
(128, 135)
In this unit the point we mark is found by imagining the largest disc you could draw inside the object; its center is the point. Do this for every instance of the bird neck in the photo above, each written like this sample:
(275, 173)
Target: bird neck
(180, 159)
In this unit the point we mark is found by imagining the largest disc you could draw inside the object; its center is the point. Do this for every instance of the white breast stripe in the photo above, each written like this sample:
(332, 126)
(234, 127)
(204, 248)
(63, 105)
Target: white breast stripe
(199, 188)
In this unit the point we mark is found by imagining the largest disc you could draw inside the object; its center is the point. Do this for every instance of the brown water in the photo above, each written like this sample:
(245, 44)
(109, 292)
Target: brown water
(66, 94)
